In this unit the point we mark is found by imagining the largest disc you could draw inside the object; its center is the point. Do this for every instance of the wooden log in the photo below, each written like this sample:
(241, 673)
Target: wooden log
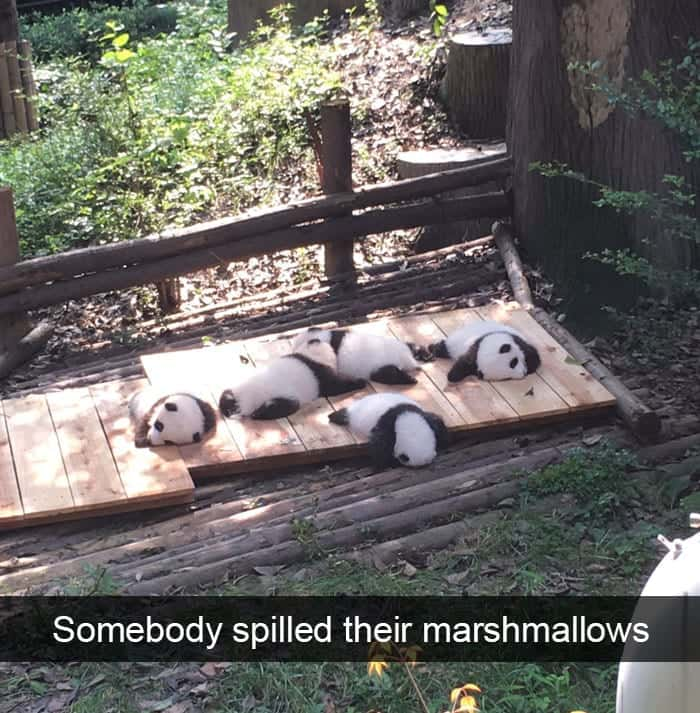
(28, 85)
(218, 232)
(376, 221)
(169, 297)
(345, 537)
(503, 236)
(6, 105)
(16, 88)
(336, 177)
(399, 10)
(475, 87)
(643, 422)
(410, 164)
(25, 348)
(9, 23)
(671, 450)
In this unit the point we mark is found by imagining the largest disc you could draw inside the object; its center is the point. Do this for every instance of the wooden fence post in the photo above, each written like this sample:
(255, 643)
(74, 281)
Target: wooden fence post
(336, 165)
(18, 341)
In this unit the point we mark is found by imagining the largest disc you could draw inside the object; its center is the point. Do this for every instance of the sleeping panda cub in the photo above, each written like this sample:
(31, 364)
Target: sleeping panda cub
(397, 428)
(369, 356)
(285, 384)
(488, 350)
(171, 419)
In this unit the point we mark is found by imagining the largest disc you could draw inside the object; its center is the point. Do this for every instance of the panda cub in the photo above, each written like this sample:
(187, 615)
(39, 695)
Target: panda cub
(369, 356)
(170, 420)
(488, 350)
(397, 428)
(285, 384)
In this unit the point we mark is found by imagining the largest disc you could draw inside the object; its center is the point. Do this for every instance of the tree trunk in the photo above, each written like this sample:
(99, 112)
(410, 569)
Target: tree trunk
(475, 88)
(411, 164)
(244, 15)
(555, 118)
(9, 25)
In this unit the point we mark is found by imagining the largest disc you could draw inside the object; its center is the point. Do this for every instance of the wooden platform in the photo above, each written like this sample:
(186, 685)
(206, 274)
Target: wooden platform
(70, 454)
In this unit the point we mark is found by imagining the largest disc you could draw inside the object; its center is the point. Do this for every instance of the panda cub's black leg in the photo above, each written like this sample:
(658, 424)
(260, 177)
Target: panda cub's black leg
(276, 408)
(340, 417)
(391, 374)
(335, 386)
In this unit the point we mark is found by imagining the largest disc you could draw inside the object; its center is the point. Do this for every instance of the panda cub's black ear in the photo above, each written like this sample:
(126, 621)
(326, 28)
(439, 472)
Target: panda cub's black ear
(532, 356)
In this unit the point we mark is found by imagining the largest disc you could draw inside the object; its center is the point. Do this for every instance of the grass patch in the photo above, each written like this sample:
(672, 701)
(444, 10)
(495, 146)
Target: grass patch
(507, 688)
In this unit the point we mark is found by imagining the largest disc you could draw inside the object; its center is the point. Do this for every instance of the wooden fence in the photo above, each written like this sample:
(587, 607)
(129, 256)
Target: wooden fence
(17, 89)
(334, 220)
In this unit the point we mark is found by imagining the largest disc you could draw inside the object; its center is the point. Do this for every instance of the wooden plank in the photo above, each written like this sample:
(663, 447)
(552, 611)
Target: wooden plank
(41, 475)
(91, 470)
(311, 421)
(11, 508)
(530, 397)
(477, 402)
(425, 392)
(201, 367)
(146, 473)
(564, 374)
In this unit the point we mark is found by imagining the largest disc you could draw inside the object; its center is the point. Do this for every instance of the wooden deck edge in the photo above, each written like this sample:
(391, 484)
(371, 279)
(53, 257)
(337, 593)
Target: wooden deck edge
(86, 512)
(269, 465)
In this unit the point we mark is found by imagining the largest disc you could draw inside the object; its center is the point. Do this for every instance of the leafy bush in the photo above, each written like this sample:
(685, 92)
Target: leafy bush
(75, 32)
(179, 129)
(671, 96)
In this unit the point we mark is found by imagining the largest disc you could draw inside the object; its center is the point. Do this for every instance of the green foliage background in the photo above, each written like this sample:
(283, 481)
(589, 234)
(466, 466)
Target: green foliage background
(180, 128)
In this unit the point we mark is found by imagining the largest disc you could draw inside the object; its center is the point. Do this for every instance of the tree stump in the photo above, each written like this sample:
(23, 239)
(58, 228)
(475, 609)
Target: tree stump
(411, 164)
(475, 88)
(401, 9)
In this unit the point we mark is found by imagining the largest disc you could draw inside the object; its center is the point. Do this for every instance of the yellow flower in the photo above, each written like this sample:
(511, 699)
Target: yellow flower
(466, 688)
(377, 667)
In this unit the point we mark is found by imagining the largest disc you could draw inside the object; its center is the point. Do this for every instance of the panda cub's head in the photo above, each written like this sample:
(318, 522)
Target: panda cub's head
(407, 435)
(496, 356)
(175, 419)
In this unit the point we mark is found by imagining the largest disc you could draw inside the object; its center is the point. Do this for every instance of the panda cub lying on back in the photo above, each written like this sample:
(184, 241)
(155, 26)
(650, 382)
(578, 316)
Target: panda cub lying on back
(369, 356)
(285, 384)
(398, 429)
(170, 419)
(488, 350)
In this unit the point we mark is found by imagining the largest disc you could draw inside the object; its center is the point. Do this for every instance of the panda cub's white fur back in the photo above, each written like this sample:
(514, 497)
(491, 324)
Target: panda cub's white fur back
(364, 413)
(284, 378)
(281, 387)
(366, 356)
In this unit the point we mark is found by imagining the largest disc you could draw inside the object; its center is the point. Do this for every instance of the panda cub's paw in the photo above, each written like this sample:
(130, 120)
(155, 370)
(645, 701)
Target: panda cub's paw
(340, 418)
(421, 353)
(228, 403)
(439, 350)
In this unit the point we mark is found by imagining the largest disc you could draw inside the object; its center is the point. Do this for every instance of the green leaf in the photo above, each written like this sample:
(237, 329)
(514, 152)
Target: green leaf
(124, 55)
(570, 360)
(121, 40)
(441, 10)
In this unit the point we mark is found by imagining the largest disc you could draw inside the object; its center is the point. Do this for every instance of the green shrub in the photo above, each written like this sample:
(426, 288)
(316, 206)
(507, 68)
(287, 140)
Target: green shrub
(75, 32)
(180, 130)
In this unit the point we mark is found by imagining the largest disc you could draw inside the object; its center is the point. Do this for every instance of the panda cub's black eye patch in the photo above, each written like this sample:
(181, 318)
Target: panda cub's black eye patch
(513, 362)
(403, 458)
(505, 348)
(314, 341)
(196, 437)
(158, 425)
(170, 406)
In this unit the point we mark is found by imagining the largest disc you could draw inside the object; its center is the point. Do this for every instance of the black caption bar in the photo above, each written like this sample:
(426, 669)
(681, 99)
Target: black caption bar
(344, 628)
